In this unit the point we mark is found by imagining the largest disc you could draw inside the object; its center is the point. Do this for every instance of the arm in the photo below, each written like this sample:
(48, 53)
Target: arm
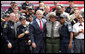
(5, 32)
(71, 38)
(71, 35)
(76, 34)
(21, 35)
(31, 29)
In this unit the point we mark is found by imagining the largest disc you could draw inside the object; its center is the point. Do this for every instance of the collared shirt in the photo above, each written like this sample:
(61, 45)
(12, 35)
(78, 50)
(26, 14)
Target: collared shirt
(38, 21)
(69, 26)
(68, 18)
(56, 26)
(65, 30)
(77, 28)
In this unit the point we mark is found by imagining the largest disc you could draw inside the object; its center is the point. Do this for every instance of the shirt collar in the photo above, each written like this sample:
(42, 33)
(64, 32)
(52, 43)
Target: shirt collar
(65, 23)
(79, 23)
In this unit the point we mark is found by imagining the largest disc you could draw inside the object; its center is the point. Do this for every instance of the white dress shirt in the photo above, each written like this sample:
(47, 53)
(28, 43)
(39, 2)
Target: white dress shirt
(77, 28)
(38, 21)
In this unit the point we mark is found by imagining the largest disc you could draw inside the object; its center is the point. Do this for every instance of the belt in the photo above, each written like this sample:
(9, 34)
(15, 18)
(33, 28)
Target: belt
(53, 38)
(79, 39)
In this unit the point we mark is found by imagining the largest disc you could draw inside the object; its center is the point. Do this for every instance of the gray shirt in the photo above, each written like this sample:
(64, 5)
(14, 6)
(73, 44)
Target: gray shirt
(56, 27)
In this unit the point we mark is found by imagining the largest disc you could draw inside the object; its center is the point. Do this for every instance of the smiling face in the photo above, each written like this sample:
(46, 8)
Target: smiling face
(47, 9)
(15, 9)
(52, 19)
(80, 19)
(39, 14)
(23, 22)
(62, 21)
(12, 17)
(59, 9)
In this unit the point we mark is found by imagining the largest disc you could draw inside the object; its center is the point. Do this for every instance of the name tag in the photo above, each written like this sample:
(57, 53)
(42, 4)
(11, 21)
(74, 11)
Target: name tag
(12, 27)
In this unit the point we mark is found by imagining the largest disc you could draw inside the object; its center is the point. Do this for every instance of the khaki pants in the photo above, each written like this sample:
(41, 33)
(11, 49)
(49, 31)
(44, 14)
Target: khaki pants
(52, 45)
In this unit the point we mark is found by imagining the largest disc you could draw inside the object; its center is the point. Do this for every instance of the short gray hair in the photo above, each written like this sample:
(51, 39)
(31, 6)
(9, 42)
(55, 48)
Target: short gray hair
(39, 11)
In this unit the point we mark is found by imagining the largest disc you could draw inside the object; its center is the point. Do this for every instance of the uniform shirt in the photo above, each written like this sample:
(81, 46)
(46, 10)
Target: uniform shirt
(9, 31)
(77, 28)
(57, 25)
(22, 29)
(65, 30)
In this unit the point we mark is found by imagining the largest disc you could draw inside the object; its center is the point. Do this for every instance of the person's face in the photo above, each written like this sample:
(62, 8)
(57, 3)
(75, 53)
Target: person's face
(12, 18)
(62, 21)
(59, 10)
(80, 19)
(12, 5)
(63, 8)
(23, 22)
(56, 4)
(39, 15)
(41, 4)
(52, 19)
(70, 4)
(15, 10)
(47, 10)
(27, 2)
(76, 13)
(30, 12)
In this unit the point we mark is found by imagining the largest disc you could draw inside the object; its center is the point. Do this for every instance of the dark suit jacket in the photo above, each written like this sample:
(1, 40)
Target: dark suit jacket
(36, 35)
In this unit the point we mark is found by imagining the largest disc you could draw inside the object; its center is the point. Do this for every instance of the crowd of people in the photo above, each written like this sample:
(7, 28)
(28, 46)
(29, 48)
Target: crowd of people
(30, 30)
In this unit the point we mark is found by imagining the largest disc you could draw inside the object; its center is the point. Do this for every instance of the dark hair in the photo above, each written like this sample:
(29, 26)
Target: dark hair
(40, 1)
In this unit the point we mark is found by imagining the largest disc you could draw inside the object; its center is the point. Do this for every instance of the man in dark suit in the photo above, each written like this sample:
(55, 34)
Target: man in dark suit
(37, 33)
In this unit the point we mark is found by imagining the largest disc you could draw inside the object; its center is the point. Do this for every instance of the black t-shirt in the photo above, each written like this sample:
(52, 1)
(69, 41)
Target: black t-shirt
(68, 10)
(24, 6)
(21, 29)
(9, 10)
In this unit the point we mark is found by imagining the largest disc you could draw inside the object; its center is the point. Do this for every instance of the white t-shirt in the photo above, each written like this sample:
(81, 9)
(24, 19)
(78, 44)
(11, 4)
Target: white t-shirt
(77, 28)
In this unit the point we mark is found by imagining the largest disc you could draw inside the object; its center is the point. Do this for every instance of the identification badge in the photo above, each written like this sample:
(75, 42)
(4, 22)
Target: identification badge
(5, 25)
(12, 27)
(69, 26)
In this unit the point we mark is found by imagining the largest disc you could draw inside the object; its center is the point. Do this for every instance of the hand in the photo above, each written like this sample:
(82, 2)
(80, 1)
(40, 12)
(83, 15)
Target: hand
(29, 42)
(9, 45)
(26, 32)
(33, 45)
(2, 19)
(17, 20)
(70, 46)
(81, 31)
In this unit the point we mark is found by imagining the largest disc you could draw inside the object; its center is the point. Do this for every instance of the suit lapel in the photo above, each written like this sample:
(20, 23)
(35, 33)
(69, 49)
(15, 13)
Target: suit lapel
(36, 24)
(43, 25)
